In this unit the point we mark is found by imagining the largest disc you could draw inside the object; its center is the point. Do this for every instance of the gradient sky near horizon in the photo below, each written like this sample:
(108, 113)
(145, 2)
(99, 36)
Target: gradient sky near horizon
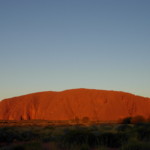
(66, 44)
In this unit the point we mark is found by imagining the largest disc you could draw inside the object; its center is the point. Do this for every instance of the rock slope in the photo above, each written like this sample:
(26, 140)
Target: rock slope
(77, 103)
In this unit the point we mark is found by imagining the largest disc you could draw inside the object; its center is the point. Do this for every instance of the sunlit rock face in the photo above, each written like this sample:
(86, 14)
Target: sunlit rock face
(77, 103)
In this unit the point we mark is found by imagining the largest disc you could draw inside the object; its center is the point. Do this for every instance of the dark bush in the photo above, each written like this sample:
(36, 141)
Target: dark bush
(8, 134)
(143, 132)
(84, 147)
(28, 135)
(124, 128)
(113, 140)
(138, 119)
(136, 146)
(18, 147)
(126, 120)
(47, 138)
(79, 136)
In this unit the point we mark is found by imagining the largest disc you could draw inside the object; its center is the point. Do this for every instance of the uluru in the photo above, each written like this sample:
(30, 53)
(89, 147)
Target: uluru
(95, 104)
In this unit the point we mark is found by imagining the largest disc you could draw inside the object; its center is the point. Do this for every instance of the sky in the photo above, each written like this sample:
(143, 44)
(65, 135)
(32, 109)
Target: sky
(54, 45)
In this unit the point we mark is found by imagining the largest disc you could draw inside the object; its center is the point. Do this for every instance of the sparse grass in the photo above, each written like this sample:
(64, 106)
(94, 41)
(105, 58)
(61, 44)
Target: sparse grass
(137, 145)
(76, 137)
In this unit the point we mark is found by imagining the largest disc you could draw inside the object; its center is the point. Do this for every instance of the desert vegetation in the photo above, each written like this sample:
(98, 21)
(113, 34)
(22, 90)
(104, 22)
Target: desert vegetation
(44, 136)
(134, 120)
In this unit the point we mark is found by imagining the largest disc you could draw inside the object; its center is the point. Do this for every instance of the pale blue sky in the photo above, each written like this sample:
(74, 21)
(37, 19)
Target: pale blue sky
(65, 44)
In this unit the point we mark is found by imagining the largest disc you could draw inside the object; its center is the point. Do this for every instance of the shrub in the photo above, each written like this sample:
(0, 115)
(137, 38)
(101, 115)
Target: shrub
(101, 148)
(113, 140)
(84, 147)
(138, 119)
(124, 128)
(143, 132)
(136, 146)
(33, 146)
(8, 134)
(78, 136)
(18, 147)
(126, 120)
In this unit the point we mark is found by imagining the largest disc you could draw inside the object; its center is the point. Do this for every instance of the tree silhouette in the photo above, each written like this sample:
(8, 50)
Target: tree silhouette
(138, 119)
